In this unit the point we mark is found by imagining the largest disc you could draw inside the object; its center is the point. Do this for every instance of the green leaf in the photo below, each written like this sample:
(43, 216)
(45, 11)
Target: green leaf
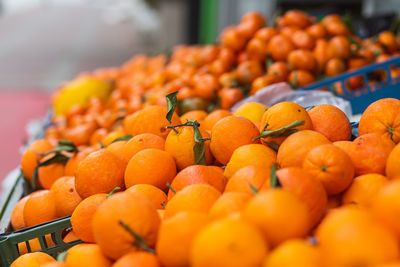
(57, 158)
(139, 240)
(272, 145)
(268, 62)
(171, 104)
(65, 143)
(284, 131)
(102, 145)
(274, 178)
(253, 189)
(122, 138)
(199, 148)
(295, 82)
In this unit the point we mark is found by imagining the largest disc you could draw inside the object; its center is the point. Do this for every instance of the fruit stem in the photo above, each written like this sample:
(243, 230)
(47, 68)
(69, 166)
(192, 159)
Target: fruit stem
(274, 183)
(139, 240)
(284, 131)
(253, 189)
(113, 191)
(170, 187)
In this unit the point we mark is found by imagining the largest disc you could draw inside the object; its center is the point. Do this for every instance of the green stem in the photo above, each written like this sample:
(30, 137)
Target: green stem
(3, 209)
(274, 178)
(139, 240)
(284, 131)
(170, 187)
(113, 191)
(253, 189)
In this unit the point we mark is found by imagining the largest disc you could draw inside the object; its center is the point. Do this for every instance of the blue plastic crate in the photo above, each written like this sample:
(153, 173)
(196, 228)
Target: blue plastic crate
(361, 98)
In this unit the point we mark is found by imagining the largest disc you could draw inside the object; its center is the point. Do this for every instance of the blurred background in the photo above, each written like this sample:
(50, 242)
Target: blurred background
(46, 42)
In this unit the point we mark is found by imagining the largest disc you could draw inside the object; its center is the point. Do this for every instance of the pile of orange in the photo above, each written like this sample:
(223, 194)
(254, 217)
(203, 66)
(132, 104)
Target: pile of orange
(279, 186)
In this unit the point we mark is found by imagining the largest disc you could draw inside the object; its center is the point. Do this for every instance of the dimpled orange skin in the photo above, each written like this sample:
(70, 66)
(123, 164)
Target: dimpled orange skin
(252, 154)
(213, 245)
(32, 259)
(307, 188)
(138, 259)
(17, 215)
(331, 122)
(293, 150)
(65, 195)
(141, 142)
(255, 176)
(86, 255)
(382, 117)
(213, 118)
(228, 204)
(180, 146)
(176, 235)
(196, 198)
(141, 168)
(330, 165)
(363, 189)
(39, 208)
(393, 164)
(151, 119)
(279, 214)
(99, 172)
(132, 209)
(281, 115)
(230, 133)
(198, 174)
(154, 194)
(32, 155)
(81, 219)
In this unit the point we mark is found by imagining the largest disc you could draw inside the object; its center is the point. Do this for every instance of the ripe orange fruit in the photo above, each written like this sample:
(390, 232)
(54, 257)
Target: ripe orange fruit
(81, 219)
(180, 229)
(247, 177)
(99, 172)
(74, 161)
(281, 115)
(198, 174)
(17, 215)
(251, 110)
(279, 47)
(265, 34)
(252, 154)
(213, 245)
(54, 264)
(388, 41)
(280, 68)
(32, 259)
(39, 208)
(229, 96)
(279, 214)
(300, 78)
(293, 150)
(195, 198)
(385, 205)
(232, 39)
(140, 142)
(198, 115)
(70, 237)
(228, 204)
(47, 175)
(32, 155)
(154, 194)
(381, 117)
(295, 18)
(364, 189)
(205, 85)
(89, 255)
(225, 137)
(141, 168)
(392, 164)
(303, 40)
(307, 188)
(339, 47)
(331, 122)
(336, 28)
(247, 71)
(213, 118)
(135, 212)
(321, 53)
(332, 166)
(317, 31)
(256, 49)
(263, 81)
(180, 145)
(65, 196)
(150, 119)
(335, 66)
(302, 59)
(250, 23)
(294, 252)
(138, 259)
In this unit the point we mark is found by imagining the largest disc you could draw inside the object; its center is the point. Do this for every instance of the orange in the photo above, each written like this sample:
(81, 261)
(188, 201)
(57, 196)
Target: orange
(100, 172)
(111, 136)
(263, 81)
(117, 148)
(54, 264)
(294, 252)
(247, 178)
(256, 49)
(249, 70)
(265, 34)
(321, 53)
(339, 46)
(141, 168)
(250, 23)
(385, 205)
(81, 219)
(392, 164)
(32, 259)
(195, 198)
(39, 208)
(213, 245)
(232, 38)
(251, 110)
(382, 117)
(331, 122)
(154, 194)
(303, 40)
(317, 30)
(253, 154)
(281, 115)
(293, 150)
(205, 85)
(225, 137)
(17, 215)
(335, 66)
(229, 97)
(300, 78)
(74, 161)
(140, 142)
(65, 196)
(279, 214)
(302, 59)
(228, 204)
(332, 166)
(279, 47)
(135, 212)
(307, 188)
(295, 18)
(180, 145)
(198, 115)
(150, 119)
(89, 255)
(198, 174)
(213, 118)
(70, 237)
(138, 259)
(47, 175)
(280, 68)
(388, 41)
(32, 155)
(337, 28)
(176, 236)
(364, 189)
